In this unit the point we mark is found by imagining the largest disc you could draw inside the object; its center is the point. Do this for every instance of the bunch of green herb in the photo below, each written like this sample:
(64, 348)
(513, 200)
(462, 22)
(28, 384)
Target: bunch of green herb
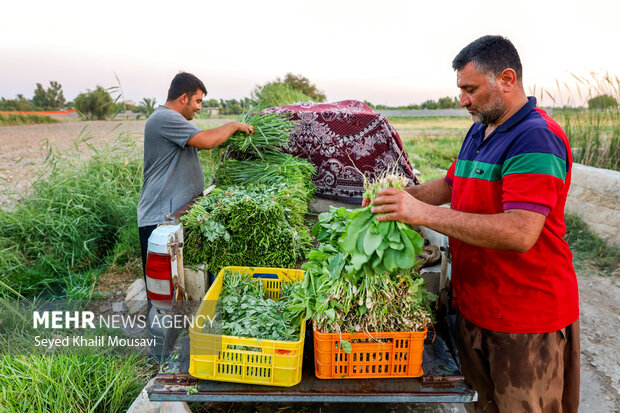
(383, 302)
(361, 275)
(243, 310)
(378, 247)
(275, 168)
(354, 242)
(271, 132)
(252, 227)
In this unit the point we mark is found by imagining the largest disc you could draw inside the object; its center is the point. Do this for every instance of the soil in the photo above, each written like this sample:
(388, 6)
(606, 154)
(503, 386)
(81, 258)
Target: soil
(22, 154)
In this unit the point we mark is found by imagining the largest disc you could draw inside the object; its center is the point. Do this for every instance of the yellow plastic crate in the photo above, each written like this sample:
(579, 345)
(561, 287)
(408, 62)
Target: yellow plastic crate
(273, 363)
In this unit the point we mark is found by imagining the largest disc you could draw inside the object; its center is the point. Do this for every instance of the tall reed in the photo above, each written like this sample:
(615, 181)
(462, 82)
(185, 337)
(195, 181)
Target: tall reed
(81, 213)
(594, 133)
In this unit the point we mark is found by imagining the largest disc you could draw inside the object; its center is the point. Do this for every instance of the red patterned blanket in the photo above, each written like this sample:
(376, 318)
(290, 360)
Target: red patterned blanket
(342, 138)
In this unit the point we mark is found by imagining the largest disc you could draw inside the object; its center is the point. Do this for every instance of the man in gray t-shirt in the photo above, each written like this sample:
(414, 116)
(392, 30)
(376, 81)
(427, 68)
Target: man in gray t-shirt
(172, 172)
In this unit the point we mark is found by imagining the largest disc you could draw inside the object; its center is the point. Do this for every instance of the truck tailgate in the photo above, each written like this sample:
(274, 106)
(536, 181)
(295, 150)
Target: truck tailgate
(441, 382)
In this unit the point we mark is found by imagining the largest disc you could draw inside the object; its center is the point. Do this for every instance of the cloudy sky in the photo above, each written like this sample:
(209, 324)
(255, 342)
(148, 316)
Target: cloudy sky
(389, 52)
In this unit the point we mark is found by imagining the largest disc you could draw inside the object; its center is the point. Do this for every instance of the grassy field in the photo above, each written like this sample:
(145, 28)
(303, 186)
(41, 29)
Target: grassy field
(77, 227)
(432, 144)
(11, 119)
(434, 123)
(594, 135)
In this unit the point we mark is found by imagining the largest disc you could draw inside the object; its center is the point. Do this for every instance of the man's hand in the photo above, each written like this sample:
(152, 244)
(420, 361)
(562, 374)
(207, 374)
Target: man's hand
(244, 127)
(397, 205)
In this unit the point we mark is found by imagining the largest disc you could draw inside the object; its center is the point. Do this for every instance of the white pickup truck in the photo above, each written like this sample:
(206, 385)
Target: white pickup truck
(442, 381)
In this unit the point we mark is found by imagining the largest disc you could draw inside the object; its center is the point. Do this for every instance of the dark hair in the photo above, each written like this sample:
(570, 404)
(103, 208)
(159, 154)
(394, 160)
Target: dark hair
(185, 83)
(490, 54)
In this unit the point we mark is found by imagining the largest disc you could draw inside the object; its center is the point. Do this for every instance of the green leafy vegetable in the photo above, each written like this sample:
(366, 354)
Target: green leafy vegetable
(361, 276)
(243, 310)
(257, 226)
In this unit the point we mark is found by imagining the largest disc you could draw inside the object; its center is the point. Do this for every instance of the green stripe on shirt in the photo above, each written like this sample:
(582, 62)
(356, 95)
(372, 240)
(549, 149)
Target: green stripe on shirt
(535, 163)
(478, 170)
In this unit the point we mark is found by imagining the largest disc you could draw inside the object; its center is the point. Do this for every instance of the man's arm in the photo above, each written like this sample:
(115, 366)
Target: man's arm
(212, 138)
(515, 229)
(435, 192)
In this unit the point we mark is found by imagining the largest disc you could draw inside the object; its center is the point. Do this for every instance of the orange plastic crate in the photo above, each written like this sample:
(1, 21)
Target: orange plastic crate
(385, 355)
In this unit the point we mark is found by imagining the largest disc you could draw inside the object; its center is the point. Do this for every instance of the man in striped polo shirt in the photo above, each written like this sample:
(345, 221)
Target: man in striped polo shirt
(512, 273)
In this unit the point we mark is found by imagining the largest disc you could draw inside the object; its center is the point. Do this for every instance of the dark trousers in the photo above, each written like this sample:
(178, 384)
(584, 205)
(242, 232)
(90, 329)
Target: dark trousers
(145, 233)
(534, 373)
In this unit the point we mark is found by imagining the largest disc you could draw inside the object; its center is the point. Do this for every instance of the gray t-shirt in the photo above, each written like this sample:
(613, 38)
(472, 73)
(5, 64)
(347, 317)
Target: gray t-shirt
(172, 172)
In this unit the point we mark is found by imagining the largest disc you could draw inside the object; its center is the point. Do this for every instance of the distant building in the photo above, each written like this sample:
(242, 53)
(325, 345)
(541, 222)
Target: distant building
(211, 111)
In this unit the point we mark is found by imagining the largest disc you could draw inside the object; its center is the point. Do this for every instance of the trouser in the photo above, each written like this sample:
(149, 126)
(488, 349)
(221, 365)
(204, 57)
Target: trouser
(145, 233)
(520, 372)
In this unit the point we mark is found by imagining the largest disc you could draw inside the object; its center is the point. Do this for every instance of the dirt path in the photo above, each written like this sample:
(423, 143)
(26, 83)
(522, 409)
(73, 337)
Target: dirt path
(21, 153)
(599, 301)
(23, 148)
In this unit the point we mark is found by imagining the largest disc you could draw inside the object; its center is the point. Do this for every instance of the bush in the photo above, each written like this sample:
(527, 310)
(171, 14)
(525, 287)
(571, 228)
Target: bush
(19, 104)
(602, 102)
(277, 94)
(96, 104)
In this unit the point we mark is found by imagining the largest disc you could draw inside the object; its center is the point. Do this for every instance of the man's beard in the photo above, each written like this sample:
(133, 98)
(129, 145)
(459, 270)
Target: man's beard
(492, 111)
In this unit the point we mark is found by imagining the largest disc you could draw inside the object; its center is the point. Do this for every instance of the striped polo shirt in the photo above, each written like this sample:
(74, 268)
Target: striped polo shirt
(524, 164)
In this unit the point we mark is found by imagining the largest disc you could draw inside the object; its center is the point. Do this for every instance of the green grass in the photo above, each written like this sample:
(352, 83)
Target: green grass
(432, 155)
(11, 119)
(431, 123)
(71, 383)
(79, 221)
(589, 249)
(66, 379)
(432, 144)
(80, 217)
(594, 134)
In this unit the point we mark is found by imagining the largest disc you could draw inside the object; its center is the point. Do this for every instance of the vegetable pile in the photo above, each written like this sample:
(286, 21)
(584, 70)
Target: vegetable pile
(361, 277)
(243, 310)
(255, 226)
(256, 216)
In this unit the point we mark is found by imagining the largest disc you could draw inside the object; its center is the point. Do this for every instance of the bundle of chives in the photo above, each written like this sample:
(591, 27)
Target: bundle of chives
(273, 169)
(271, 132)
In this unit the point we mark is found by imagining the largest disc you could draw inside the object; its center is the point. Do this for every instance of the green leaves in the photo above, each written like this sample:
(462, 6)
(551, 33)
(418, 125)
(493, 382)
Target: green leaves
(361, 276)
(387, 246)
(336, 264)
(243, 311)
(256, 226)
(346, 346)
(371, 241)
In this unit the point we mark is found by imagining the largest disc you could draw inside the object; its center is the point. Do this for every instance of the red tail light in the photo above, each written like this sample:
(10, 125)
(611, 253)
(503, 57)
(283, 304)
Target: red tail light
(158, 277)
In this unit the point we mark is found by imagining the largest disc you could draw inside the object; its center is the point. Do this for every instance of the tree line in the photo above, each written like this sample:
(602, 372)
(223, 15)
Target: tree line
(99, 104)
(441, 103)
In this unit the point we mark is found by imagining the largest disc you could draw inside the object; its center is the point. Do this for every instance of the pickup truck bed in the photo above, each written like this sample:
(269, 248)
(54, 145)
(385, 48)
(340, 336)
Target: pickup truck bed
(441, 383)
